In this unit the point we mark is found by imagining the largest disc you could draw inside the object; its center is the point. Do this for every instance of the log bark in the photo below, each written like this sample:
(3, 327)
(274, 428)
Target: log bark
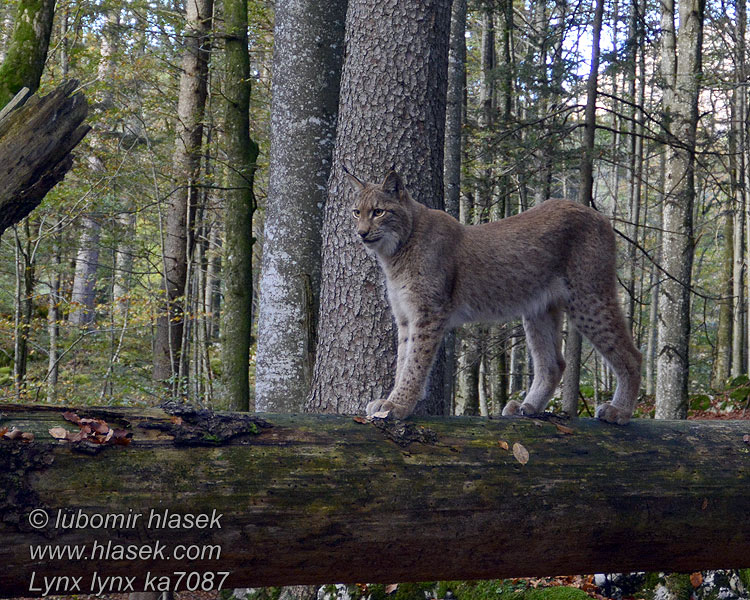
(321, 498)
(36, 141)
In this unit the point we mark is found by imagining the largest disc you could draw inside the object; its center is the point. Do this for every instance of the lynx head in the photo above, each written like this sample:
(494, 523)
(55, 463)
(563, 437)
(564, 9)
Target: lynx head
(382, 214)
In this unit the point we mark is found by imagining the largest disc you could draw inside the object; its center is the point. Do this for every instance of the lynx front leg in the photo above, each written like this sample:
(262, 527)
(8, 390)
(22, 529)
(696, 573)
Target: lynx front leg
(544, 339)
(423, 341)
(403, 348)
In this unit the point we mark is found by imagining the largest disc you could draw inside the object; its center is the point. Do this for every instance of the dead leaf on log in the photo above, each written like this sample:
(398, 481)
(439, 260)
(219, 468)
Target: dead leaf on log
(27, 436)
(360, 420)
(3, 431)
(71, 416)
(696, 579)
(521, 454)
(121, 437)
(503, 444)
(59, 433)
(75, 437)
(564, 429)
(746, 438)
(176, 420)
(13, 434)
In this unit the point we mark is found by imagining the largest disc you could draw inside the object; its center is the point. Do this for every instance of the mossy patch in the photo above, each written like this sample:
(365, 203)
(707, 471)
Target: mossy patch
(555, 593)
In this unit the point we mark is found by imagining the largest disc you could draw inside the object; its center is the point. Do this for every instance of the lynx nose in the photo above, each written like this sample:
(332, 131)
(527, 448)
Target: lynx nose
(363, 234)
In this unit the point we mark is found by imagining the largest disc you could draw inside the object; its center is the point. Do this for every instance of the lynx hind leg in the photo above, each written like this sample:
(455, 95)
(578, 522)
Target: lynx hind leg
(543, 336)
(600, 319)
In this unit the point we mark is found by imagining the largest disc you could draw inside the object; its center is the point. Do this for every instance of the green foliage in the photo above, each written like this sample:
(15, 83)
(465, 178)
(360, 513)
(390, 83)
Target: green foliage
(700, 402)
(678, 584)
(495, 589)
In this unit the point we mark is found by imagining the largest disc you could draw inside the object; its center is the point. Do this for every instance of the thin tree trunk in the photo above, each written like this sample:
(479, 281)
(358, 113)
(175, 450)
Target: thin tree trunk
(178, 242)
(635, 140)
(739, 132)
(53, 316)
(722, 361)
(467, 376)
(239, 207)
(571, 380)
(212, 292)
(681, 103)
(25, 269)
(123, 264)
(83, 298)
(454, 113)
(308, 55)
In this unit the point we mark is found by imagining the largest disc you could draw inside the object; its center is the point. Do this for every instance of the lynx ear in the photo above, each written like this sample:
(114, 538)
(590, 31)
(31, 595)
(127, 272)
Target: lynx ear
(356, 184)
(393, 184)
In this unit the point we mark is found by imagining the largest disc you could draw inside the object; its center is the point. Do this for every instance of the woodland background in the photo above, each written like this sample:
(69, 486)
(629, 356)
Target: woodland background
(182, 258)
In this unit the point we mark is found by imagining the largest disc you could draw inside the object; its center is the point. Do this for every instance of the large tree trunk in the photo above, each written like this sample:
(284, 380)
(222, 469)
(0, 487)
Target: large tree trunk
(24, 62)
(239, 207)
(308, 54)
(314, 499)
(87, 259)
(37, 139)
(681, 102)
(392, 115)
(180, 226)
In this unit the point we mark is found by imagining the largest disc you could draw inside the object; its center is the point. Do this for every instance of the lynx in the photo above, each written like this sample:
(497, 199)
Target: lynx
(558, 256)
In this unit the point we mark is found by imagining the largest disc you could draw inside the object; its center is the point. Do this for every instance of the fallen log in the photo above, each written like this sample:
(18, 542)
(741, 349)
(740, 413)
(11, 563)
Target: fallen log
(37, 137)
(302, 499)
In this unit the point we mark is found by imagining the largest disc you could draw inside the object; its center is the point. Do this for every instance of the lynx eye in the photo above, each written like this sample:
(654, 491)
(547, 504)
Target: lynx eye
(378, 212)
(355, 213)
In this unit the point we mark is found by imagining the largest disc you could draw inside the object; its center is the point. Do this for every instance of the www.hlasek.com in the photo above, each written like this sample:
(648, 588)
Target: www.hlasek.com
(102, 551)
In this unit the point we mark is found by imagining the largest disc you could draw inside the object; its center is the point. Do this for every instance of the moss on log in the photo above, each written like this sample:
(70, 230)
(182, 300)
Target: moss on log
(320, 499)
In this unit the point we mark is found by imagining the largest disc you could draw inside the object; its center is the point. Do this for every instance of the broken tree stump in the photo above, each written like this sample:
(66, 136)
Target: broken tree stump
(36, 141)
(309, 499)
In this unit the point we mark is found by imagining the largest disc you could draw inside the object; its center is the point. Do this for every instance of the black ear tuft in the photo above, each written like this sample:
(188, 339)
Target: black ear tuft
(393, 184)
(355, 182)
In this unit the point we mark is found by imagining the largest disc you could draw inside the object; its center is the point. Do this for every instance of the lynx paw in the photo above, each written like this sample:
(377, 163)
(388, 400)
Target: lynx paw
(516, 408)
(397, 411)
(612, 414)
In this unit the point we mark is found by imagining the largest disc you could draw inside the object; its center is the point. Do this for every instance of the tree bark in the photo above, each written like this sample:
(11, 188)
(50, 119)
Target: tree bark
(454, 113)
(180, 226)
(681, 103)
(239, 207)
(739, 133)
(311, 499)
(38, 139)
(392, 116)
(308, 55)
(124, 255)
(24, 62)
(82, 300)
(24, 304)
(722, 362)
